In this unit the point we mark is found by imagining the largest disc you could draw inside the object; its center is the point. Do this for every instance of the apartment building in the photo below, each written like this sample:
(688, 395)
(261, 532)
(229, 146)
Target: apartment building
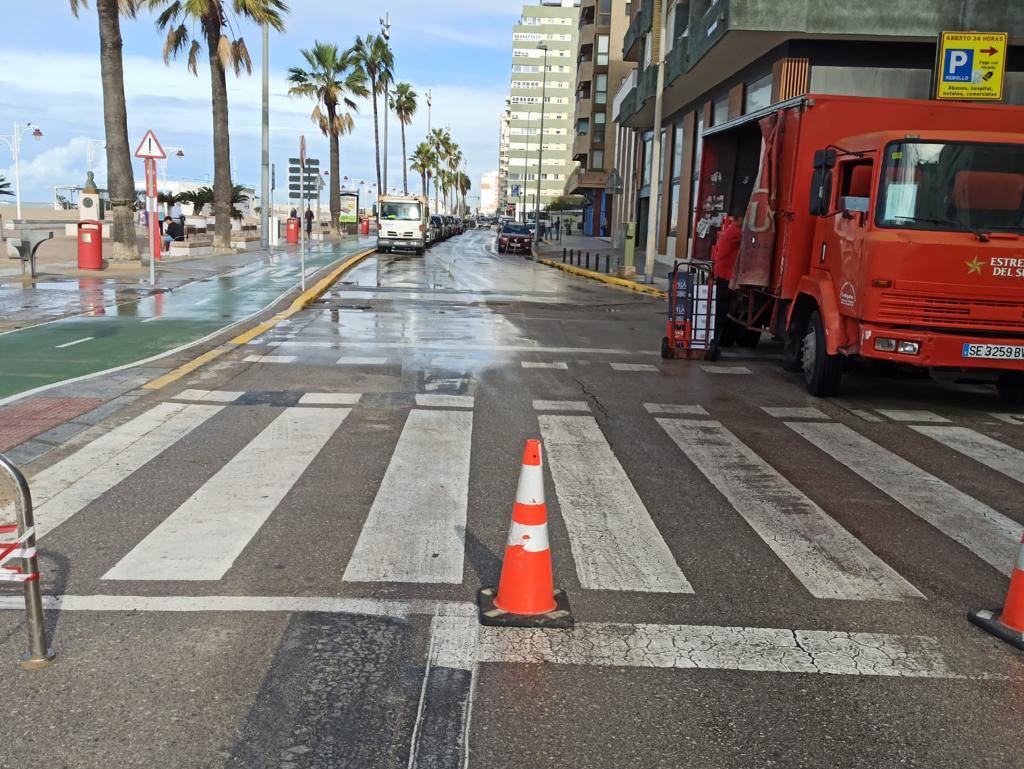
(489, 193)
(599, 69)
(728, 58)
(555, 24)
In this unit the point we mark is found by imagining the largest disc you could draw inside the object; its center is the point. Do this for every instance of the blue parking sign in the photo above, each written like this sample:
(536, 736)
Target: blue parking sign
(958, 66)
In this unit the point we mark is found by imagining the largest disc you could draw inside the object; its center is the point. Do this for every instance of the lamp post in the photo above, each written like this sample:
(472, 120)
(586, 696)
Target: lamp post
(540, 141)
(385, 30)
(178, 153)
(265, 193)
(90, 152)
(430, 103)
(14, 143)
(654, 205)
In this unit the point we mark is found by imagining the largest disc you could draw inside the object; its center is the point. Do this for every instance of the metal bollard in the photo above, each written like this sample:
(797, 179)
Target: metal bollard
(39, 654)
(588, 260)
(607, 263)
(563, 256)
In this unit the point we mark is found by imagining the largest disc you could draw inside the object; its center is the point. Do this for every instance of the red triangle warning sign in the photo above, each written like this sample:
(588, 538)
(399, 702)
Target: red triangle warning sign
(150, 147)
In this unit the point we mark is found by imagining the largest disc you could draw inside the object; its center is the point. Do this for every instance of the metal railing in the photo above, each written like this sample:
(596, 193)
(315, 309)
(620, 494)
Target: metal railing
(579, 258)
(39, 655)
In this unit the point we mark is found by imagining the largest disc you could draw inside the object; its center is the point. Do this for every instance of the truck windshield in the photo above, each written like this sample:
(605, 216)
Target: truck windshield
(404, 212)
(953, 186)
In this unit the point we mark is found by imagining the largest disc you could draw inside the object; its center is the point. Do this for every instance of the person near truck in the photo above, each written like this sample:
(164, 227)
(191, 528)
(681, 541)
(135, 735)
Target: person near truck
(723, 257)
(309, 222)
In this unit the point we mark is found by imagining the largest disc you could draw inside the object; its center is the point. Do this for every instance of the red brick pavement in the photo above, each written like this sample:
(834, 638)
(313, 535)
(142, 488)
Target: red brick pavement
(34, 416)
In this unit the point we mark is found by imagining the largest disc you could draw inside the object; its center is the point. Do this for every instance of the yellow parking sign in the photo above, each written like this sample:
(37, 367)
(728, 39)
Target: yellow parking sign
(971, 66)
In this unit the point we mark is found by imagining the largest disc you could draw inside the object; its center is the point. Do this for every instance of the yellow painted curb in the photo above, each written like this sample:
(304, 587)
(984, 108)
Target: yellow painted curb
(611, 280)
(302, 301)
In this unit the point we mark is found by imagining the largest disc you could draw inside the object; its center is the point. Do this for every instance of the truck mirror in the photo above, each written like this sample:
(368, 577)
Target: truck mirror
(821, 191)
(824, 158)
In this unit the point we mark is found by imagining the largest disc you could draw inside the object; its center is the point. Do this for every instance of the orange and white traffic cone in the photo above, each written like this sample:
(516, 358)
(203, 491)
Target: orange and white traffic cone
(1008, 624)
(526, 595)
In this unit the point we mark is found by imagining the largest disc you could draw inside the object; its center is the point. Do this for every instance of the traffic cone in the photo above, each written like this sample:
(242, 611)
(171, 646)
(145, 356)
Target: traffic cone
(526, 595)
(1007, 625)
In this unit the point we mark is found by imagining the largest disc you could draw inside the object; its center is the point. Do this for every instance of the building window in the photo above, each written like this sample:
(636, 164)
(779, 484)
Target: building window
(599, 124)
(583, 126)
(648, 149)
(604, 13)
(677, 170)
(670, 24)
(601, 89)
(661, 164)
(757, 94)
(597, 160)
(720, 111)
(602, 50)
(648, 53)
(698, 149)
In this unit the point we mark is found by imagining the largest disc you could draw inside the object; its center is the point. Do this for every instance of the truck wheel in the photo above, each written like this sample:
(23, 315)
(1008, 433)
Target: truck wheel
(822, 371)
(1010, 386)
(792, 351)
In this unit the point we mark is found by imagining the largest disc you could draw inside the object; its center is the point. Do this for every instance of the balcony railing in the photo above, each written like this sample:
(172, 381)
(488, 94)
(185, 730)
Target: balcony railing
(638, 27)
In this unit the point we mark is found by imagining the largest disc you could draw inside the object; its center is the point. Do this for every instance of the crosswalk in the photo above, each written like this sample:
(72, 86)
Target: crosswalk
(415, 529)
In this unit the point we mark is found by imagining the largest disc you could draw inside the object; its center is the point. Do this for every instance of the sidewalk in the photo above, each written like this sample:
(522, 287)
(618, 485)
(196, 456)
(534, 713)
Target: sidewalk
(597, 247)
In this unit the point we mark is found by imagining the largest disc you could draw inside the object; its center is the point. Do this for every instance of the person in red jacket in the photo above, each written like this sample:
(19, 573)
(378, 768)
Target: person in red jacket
(723, 257)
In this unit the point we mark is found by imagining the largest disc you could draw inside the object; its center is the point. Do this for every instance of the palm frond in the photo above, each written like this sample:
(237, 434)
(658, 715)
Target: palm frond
(240, 57)
(193, 58)
(177, 38)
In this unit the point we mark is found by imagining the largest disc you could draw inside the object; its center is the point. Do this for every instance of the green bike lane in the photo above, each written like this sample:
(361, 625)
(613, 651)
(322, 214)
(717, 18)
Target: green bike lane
(124, 334)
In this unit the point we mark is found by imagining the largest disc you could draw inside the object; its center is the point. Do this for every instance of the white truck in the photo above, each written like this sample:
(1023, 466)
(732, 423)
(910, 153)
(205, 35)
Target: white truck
(402, 222)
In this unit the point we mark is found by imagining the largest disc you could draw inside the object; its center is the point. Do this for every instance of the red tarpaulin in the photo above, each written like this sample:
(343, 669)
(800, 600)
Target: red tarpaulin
(754, 264)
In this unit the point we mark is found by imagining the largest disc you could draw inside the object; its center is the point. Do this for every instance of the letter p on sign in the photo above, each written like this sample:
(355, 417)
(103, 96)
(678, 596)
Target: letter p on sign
(959, 65)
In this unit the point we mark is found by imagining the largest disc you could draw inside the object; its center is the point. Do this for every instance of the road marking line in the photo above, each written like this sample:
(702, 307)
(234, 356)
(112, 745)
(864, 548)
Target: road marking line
(439, 400)
(416, 528)
(155, 317)
(561, 406)
(330, 399)
(270, 359)
(828, 560)
(237, 288)
(1011, 419)
(987, 533)
(675, 408)
(66, 487)
(633, 367)
(794, 412)
(866, 415)
(209, 396)
(355, 360)
(614, 542)
(203, 301)
(988, 451)
(427, 345)
(726, 369)
(910, 415)
(558, 365)
(77, 341)
(202, 538)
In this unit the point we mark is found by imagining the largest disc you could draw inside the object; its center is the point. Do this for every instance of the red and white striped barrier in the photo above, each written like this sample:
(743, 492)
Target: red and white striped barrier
(12, 550)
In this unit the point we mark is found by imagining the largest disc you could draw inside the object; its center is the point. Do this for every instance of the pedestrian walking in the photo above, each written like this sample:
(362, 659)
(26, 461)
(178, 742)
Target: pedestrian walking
(723, 257)
(309, 222)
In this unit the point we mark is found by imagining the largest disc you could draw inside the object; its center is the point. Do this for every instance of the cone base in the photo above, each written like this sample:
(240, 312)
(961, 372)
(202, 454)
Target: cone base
(989, 621)
(492, 616)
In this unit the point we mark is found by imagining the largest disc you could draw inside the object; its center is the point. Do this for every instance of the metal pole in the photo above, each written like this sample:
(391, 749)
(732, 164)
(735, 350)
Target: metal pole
(39, 654)
(652, 213)
(429, 104)
(265, 187)
(16, 151)
(302, 219)
(540, 144)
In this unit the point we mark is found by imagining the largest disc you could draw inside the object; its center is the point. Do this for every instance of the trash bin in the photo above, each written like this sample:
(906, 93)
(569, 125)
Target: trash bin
(364, 227)
(90, 245)
(294, 223)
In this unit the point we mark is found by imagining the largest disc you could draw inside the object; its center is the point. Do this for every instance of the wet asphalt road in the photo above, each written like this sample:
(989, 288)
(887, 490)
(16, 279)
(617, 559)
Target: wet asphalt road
(744, 599)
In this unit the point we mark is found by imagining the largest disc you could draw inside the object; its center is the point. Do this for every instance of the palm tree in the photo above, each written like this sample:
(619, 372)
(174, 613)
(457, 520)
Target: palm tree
(5, 186)
(440, 142)
(423, 162)
(214, 24)
(204, 196)
(454, 162)
(403, 102)
(330, 81)
(120, 177)
(463, 185)
(372, 56)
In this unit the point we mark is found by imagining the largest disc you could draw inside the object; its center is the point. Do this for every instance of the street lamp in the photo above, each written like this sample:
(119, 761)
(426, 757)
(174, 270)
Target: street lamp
(178, 153)
(14, 144)
(540, 141)
(653, 204)
(385, 30)
(90, 152)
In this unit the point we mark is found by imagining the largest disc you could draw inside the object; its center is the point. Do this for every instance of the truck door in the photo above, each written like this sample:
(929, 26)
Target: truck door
(852, 206)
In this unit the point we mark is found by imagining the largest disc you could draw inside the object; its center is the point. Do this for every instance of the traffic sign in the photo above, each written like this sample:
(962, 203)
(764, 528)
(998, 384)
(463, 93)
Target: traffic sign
(150, 148)
(971, 66)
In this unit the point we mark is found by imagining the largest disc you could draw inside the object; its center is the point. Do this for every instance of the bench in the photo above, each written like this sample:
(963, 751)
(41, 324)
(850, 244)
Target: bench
(26, 242)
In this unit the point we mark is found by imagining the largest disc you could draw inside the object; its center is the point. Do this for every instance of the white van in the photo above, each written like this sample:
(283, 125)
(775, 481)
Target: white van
(402, 222)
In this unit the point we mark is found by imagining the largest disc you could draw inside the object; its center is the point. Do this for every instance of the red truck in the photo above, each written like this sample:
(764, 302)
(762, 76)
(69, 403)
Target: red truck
(874, 229)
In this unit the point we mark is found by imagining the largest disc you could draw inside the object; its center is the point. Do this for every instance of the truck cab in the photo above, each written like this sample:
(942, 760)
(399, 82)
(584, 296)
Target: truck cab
(919, 243)
(402, 222)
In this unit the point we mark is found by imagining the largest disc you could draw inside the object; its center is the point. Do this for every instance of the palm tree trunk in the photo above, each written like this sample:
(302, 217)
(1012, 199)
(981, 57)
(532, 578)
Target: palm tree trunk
(405, 164)
(120, 178)
(335, 193)
(376, 135)
(221, 138)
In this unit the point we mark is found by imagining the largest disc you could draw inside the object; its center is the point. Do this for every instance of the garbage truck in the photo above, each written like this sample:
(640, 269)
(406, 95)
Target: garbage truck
(874, 230)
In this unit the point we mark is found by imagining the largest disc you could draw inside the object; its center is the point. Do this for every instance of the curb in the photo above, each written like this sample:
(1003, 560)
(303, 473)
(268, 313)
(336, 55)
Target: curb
(640, 288)
(301, 302)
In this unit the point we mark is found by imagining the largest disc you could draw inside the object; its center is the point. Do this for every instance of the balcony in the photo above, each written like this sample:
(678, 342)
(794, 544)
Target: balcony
(580, 146)
(677, 59)
(638, 27)
(585, 71)
(637, 110)
(582, 179)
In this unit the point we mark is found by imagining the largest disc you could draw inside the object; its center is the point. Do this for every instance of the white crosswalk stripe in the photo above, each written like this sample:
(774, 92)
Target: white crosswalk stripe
(202, 538)
(987, 533)
(416, 529)
(828, 560)
(979, 447)
(614, 542)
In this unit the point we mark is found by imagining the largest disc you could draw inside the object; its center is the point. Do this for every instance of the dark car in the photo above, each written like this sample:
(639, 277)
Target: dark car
(440, 231)
(515, 238)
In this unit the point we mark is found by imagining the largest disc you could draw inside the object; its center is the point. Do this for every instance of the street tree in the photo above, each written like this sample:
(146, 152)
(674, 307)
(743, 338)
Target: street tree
(200, 198)
(5, 186)
(464, 185)
(423, 162)
(439, 141)
(454, 163)
(332, 82)
(373, 57)
(404, 104)
(120, 176)
(192, 23)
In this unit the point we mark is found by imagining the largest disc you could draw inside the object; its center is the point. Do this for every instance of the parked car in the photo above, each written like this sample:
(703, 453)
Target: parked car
(431, 232)
(437, 225)
(515, 238)
(450, 222)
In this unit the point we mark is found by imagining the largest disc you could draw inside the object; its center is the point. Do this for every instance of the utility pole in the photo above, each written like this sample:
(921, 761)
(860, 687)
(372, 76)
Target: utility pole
(540, 143)
(429, 105)
(654, 204)
(265, 191)
(385, 29)
(14, 142)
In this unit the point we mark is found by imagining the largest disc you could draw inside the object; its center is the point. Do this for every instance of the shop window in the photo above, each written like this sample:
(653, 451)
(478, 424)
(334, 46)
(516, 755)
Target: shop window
(757, 94)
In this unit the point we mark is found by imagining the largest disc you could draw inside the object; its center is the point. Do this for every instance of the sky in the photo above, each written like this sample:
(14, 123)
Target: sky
(50, 76)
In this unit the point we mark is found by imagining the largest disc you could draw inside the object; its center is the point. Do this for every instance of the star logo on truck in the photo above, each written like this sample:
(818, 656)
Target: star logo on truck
(974, 266)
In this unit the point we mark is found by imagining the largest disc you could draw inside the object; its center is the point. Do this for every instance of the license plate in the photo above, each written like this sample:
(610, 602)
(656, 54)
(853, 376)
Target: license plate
(994, 351)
